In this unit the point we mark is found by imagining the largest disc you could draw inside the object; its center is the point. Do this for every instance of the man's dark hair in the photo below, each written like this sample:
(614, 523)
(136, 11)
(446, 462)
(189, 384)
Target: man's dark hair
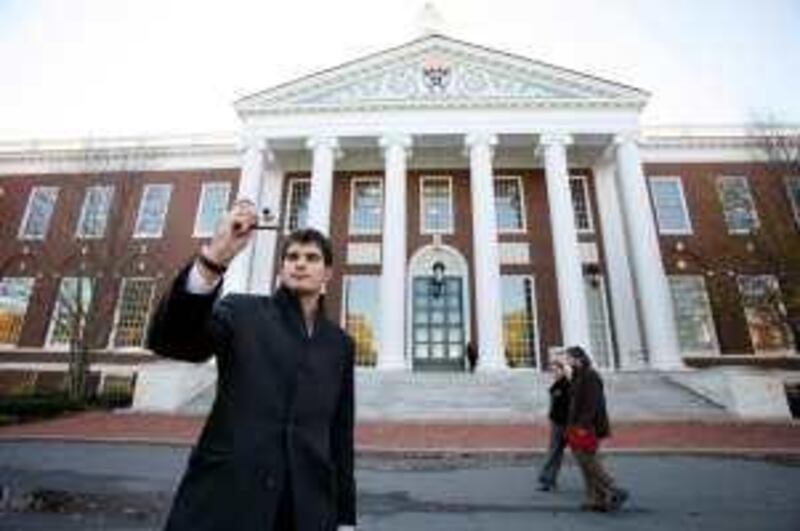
(577, 353)
(306, 236)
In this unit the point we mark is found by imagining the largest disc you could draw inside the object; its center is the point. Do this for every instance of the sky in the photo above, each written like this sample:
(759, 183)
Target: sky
(87, 68)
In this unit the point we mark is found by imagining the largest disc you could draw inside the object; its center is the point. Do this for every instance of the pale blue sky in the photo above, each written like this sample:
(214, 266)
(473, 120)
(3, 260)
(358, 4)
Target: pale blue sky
(114, 67)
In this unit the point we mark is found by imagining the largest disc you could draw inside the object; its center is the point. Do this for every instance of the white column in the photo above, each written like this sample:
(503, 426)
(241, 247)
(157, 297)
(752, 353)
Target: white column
(263, 268)
(569, 270)
(237, 279)
(491, 349)
(319, 204)
(393, 256)
(648, 269)
(620, 281)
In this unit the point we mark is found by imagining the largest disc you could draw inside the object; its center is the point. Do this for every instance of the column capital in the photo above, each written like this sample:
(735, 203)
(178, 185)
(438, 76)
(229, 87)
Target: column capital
(251, 141)
(402, 140)
(480, 138)
(627, 137)
(330, 142)
(555, 138)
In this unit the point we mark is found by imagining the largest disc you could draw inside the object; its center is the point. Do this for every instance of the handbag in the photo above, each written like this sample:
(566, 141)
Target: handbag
(581, 440)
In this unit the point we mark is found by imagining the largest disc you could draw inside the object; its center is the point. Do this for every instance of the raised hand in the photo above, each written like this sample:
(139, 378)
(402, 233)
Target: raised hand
(233, 232)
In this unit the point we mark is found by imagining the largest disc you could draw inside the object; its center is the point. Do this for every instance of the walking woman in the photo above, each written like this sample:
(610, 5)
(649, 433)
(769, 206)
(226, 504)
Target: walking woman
(559, 410)
(587, 423)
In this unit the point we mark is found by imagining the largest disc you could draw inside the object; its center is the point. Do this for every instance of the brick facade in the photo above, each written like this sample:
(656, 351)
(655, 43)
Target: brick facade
(119, 255)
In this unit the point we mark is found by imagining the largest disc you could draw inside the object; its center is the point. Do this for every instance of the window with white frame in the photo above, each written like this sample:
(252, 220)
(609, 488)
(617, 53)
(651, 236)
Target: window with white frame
(94, 213)
(41, 203)
(152, 211)
(73, 300)
(765, 313)
(599, 330)
(436, 196)
(362, 310)
(509, 204)
(737, 204)
(133, 310)
(212, 206)
(693, 316)
(297, 204)
(15, 292)
(579, 189)
(520, 334)
(669, 202)
(793, 191)
(366, 206)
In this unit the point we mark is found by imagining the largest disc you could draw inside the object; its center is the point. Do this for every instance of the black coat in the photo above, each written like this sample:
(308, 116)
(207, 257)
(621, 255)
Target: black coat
(283, 410)
(559, 401)
(587, 407)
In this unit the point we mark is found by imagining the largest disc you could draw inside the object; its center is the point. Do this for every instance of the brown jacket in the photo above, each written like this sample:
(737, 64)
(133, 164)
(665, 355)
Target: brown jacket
(588, 404)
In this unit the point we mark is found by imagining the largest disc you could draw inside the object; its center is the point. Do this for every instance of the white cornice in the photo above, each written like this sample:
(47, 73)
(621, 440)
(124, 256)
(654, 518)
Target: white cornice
(115, 154)
(663, 144)
(700, 144)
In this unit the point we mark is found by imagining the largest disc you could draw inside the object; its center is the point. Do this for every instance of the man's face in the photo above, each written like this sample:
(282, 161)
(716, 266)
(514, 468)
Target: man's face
(303, 269)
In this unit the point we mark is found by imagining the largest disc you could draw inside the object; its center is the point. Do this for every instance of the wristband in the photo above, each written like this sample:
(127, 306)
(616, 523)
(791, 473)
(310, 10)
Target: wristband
(211, 265)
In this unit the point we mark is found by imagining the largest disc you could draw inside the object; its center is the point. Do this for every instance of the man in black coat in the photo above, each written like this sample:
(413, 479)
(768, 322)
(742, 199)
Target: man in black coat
(276, 452)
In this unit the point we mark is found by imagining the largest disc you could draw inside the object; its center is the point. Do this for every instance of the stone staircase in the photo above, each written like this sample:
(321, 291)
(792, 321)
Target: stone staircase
(513, 396)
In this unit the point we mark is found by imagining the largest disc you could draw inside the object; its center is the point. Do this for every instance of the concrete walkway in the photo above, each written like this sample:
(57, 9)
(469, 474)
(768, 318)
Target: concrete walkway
(406, 437)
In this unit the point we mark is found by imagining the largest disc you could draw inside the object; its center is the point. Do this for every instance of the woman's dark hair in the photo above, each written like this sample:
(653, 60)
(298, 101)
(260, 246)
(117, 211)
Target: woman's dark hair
(577, 353)
(306, 236)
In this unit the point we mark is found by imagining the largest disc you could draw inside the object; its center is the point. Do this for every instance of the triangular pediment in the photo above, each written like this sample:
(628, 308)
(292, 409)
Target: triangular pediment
(437, 71)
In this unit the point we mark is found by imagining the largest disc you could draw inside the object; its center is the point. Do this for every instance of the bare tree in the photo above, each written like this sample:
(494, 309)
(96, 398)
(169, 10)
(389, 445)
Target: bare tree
(85, 303)
(772, 245)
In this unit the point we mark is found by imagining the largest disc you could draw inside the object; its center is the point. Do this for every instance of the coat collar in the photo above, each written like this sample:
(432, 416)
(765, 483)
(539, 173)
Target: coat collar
(289, 302)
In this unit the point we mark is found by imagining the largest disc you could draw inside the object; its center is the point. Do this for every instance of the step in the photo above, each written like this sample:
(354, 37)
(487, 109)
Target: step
(513, 396)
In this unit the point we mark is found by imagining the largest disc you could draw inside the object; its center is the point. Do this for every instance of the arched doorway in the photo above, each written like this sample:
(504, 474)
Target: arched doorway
(438, 309)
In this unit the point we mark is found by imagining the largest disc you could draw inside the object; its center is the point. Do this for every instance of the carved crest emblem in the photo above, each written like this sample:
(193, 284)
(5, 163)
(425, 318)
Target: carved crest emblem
(436, 74)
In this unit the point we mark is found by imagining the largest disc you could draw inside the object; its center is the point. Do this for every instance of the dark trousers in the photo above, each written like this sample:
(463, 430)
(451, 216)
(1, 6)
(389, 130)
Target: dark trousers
(600, 486)
(555, 454)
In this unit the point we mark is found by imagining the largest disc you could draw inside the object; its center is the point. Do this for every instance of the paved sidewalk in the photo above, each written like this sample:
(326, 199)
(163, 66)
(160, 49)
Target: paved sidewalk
(679, 436)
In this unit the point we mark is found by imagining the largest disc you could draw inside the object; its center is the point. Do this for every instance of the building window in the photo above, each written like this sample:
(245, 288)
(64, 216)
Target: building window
(133, 310)
(94, 213)
(669, 203)
(579, 188)
(793, 191)
(69, 314)
(508, 204)
(152, 211)
(297, 204)
(693, 318)
(212, 206)
(437, 205)
(765, 313)
(519, 320)
(599, 331)
(737, 204)
(366, 206)
(361, 315)
(41, 203)
(14, 296)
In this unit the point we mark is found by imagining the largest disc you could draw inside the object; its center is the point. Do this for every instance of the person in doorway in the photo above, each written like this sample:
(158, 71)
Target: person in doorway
(472, 356)
(276, 452)
(559, 410)
(587, 423)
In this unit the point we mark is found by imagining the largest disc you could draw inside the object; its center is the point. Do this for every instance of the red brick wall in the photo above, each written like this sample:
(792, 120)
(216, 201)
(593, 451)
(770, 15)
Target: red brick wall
(108, 259)
(718, 250)
(59, 254)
